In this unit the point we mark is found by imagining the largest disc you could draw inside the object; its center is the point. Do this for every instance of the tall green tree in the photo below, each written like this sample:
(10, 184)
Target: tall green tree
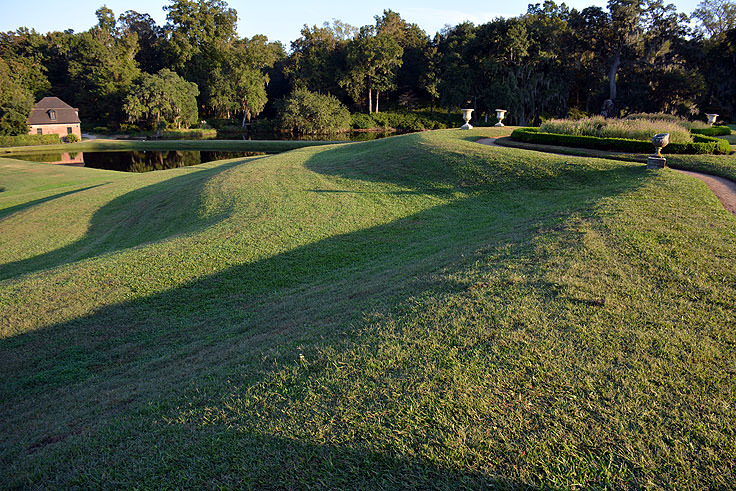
(200, 33)
(317, 60)
(162, 99)
(15, 103)
(414, 41)
(151, 55)
(716, 17)
(372, 62)
(243, 76)
(101, 68)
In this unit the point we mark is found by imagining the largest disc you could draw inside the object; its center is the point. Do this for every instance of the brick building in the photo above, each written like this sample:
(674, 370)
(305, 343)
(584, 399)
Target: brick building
(52, 115)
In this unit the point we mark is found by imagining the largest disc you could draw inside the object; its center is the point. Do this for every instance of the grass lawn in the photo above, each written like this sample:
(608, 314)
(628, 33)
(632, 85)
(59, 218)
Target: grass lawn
(719, 165)
(732, 137)
(418, 311)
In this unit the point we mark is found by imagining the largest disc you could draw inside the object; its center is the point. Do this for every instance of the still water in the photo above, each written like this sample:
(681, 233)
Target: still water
(137, 161)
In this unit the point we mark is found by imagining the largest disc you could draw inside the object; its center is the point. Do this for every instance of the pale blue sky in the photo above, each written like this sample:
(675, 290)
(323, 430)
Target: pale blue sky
(280, 20)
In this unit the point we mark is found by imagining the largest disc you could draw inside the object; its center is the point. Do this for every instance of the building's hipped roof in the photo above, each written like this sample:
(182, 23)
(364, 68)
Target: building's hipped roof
(64, 112)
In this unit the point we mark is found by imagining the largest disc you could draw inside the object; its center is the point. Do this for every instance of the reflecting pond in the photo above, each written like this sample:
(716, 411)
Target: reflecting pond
(134, 161)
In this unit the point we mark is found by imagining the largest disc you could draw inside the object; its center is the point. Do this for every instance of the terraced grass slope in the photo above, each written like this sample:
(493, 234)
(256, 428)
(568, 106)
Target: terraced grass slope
(419, 311)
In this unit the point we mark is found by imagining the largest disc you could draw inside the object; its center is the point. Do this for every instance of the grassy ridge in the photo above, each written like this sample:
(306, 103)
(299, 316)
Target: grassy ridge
(416, 311)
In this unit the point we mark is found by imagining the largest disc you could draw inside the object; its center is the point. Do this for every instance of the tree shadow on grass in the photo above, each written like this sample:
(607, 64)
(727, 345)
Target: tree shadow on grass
(109, 379)
(23, 206)
(163, 209)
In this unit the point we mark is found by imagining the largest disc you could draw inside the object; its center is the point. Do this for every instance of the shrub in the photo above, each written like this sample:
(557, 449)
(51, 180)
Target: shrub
(71, 138)
(362, 121)
(712, 131)
(308, 113)
(26, 140)
(189, 134)
(403, 121)
(700, 144)
(100, 129)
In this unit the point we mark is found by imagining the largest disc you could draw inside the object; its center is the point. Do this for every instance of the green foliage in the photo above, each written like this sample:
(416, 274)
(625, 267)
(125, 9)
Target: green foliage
(716, 17)
(28, 140)
(15, 103)
(306, 113)
(372, 60)
(397, 120)
(101, 70)
(189, 134)
(362, 121)
(712, 131)
(71, 138)
(162, 98)
(700, 144)
(318, 57)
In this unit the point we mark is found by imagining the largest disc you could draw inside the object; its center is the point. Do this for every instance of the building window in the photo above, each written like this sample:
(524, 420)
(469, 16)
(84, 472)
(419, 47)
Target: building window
(68, 130)
(52, 115)
(39, 131)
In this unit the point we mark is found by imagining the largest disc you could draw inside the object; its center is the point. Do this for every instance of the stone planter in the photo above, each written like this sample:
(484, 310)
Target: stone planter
(711, 118)
(466, 117)
(659, 141)
(500, 115)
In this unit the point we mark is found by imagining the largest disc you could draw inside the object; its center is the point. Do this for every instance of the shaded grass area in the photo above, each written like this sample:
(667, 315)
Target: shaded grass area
(268, 146)
(419, 311)
(732, 137)
(718, 165)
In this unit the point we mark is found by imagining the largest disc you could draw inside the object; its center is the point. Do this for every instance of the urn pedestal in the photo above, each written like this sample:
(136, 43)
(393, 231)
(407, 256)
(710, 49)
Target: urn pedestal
(500, 114)
(712, 118)
(659, 141)
(466, 117)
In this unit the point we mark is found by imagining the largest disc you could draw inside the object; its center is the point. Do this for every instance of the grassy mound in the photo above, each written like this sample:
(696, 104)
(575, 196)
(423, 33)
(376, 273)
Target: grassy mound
(418, 311)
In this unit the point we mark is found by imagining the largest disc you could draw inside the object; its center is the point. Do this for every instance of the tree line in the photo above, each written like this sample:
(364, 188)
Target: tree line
(643, 55)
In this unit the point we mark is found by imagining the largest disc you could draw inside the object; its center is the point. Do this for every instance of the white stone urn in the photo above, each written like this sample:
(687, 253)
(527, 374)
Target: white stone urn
(500, 114)
(711, 118)
(467, 113)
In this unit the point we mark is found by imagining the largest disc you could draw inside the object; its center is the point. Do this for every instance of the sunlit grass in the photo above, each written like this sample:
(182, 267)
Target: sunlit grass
(421, 311)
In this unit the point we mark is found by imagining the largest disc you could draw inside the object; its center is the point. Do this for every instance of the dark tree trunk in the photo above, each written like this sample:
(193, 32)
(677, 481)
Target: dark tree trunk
(612, 74)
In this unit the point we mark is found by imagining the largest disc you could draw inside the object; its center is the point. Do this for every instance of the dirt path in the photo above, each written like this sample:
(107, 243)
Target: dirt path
(724, 189)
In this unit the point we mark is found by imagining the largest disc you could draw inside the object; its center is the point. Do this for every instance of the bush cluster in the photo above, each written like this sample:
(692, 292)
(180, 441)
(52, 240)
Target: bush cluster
(712, 131)
(306, 112)
(189, 134)
(700, 145)
(402, 121)
(26, 140)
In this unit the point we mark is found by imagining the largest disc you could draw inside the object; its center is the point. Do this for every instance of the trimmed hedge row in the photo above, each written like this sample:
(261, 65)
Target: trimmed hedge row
(398, 120)
(712, 131)
(701, 144)
(27, 140)
(189, 134)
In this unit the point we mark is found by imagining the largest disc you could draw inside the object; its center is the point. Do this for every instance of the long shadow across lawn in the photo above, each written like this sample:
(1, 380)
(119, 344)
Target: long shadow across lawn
(114, 228)
(23, 206)
(112, 378)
